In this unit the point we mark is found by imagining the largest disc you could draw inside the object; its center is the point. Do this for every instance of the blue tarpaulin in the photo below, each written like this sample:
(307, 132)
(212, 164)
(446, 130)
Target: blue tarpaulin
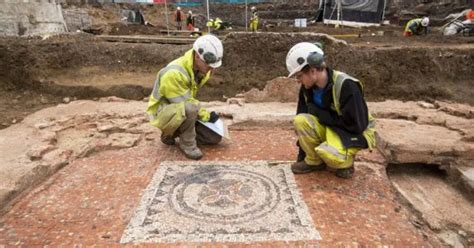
(188, 3)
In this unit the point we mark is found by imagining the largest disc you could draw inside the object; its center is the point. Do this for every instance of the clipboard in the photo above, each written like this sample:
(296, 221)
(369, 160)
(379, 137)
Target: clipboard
(217, 127)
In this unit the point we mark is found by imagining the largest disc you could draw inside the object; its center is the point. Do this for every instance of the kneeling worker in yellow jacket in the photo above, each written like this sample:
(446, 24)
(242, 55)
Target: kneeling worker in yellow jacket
(173, 106)
(332, 122)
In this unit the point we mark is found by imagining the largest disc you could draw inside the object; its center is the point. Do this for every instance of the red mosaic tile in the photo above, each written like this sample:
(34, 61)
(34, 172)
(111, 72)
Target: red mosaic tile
(90, 202)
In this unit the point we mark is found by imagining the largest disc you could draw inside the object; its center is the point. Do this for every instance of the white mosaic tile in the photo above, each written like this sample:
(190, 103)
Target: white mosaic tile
(215, 201)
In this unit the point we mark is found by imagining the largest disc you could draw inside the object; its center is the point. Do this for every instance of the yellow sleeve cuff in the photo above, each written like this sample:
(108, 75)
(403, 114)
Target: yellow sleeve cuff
(204, 115)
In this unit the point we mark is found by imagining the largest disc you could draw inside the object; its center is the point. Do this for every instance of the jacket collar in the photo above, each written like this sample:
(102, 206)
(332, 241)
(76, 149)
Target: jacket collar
(188, 63)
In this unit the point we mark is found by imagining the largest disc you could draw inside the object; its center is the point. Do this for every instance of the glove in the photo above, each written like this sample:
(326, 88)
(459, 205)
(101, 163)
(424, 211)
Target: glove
(213, 117)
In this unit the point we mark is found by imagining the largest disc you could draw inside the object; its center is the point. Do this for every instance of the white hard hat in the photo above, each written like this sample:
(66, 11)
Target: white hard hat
(179, 8)
(210, 50)
(425, 21)
(190, 12)
(253, 8)
(297, 57)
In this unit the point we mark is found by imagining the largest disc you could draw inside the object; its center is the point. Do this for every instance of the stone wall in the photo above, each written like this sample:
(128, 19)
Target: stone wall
(28, 17)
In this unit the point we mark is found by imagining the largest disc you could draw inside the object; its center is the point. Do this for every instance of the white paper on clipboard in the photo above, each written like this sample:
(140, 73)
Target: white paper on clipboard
(217, 127)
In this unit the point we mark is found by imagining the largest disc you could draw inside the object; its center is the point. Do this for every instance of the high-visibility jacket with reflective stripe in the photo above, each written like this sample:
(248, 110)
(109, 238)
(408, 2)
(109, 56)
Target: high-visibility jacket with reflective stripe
(176, 83)
(254, 17)
(216, 24)
(414, 25)
(338, 78)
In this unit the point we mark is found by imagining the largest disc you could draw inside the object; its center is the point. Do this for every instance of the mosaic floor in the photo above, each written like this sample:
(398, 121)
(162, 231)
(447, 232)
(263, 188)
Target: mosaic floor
(214, 201)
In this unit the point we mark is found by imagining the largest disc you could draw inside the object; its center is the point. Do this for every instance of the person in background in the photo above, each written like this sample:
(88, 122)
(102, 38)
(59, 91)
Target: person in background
(178, 17)
(190, 21)
(254, 19)
(218, 24)
(417, 26)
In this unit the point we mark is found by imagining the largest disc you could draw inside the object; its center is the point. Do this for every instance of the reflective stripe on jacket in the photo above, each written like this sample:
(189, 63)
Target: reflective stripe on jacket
(175, 85)
(338, 78)
(216, 24)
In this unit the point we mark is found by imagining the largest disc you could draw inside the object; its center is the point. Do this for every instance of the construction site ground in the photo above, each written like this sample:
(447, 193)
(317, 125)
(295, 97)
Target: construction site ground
(82, 66)
(91, 201)
(90, 162)
(78, 153)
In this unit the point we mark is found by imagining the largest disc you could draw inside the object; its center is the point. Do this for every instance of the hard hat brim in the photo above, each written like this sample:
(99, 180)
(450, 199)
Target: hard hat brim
(216, 65)
(296, 70)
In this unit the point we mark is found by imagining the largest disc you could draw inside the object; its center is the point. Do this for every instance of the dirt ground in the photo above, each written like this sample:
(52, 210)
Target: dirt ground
(41, 72)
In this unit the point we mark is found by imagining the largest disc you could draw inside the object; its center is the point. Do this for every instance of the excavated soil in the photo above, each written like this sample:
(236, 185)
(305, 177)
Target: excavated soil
(40, 72)
(35, 72)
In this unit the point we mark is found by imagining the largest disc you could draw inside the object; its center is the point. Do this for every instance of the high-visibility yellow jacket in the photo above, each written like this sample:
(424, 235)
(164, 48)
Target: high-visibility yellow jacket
(414, 26)
(332, 116)
(215, 24)
(254, 21)
(174, 86)
(338, 79)
(254, 17)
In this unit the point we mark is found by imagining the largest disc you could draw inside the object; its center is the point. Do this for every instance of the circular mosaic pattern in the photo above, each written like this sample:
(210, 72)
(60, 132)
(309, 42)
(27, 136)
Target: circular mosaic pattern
(226, 196)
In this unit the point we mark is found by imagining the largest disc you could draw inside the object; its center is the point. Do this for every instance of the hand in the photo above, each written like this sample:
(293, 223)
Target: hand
(313, 109)
(213, 117)
(324, 116)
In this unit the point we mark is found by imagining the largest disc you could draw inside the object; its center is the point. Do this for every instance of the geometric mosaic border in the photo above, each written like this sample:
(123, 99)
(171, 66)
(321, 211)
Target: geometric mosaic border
(221, 201)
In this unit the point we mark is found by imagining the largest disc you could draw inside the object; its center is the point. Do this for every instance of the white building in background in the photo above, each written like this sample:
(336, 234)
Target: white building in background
(30, 17)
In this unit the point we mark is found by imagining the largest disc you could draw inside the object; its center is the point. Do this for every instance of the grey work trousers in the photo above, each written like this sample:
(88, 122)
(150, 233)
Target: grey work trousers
(192, 133)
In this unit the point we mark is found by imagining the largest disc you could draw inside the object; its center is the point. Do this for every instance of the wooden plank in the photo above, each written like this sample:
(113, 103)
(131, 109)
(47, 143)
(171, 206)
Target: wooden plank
(164, 31)
(181, 32)
(146, 39)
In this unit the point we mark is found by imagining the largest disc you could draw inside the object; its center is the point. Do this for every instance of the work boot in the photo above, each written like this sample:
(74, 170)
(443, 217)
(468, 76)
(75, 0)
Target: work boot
(167, 140)
(191, 152)
(302, 167)
(345, 173)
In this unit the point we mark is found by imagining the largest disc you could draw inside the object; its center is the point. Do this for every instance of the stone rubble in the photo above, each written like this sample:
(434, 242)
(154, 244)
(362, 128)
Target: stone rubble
(407, 132)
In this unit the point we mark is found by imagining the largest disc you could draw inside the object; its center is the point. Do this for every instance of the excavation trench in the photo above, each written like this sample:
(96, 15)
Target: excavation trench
(36, 73)
(82, 67)
(437, 201)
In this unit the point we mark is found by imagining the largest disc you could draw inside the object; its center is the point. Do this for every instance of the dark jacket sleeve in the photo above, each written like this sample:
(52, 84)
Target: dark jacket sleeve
(301, 108)
(354, 111)
(413, 27)
(326, 117)
(355, 115)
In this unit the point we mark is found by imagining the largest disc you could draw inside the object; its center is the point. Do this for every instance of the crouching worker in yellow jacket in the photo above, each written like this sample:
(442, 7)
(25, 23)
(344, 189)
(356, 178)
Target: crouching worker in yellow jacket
(332, 122)
(173, 106)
